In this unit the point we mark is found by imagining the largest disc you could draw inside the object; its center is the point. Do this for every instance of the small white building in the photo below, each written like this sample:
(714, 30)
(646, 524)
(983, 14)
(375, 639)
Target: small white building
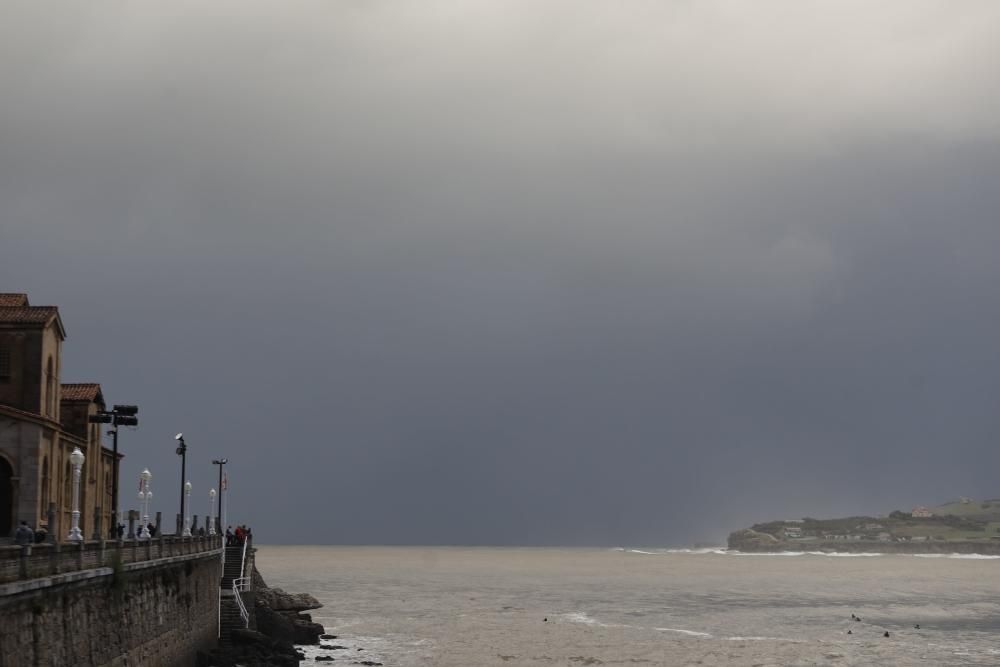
(921, 513)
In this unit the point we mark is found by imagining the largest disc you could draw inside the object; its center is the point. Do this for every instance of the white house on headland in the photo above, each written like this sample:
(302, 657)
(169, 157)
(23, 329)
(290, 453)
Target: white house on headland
(921, 513)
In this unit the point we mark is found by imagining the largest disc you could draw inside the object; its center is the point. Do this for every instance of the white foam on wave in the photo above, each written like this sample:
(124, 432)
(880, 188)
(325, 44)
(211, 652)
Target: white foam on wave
(692, 633)
(958, 556)
(851, 554)
(763, 639)
(831, 554)
(765, 553)
(665, 552)
(582, 617)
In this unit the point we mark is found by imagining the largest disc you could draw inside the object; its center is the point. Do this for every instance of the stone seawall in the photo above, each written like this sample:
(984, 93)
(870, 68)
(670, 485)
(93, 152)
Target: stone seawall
(153, 613)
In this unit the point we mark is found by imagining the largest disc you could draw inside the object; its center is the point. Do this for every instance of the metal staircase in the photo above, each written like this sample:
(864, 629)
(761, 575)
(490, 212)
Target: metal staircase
(233, 613)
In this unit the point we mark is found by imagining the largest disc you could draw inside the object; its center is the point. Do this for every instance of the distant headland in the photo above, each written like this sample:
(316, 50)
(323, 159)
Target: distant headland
(964, 526)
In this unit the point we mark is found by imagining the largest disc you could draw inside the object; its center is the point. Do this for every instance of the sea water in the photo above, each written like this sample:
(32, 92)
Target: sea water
(540, 606)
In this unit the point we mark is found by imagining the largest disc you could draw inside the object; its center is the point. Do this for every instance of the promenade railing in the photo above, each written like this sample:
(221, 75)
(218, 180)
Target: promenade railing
(45, 559)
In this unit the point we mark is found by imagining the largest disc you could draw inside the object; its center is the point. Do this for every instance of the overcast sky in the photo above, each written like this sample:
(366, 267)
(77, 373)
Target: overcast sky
(617, 273)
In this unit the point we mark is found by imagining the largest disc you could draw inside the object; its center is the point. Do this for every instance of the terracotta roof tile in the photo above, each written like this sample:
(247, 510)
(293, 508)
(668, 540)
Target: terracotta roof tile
(27, 314)
(13, 299)
(83, 391)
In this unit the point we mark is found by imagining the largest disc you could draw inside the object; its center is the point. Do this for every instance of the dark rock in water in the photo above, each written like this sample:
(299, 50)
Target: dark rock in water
(287, 626)
(369, 663)
(332, 647)
(279, 600)
(306, 632)
(886, 634)
(328, 636)
(323, 658)
(250, 649)
(274, 624)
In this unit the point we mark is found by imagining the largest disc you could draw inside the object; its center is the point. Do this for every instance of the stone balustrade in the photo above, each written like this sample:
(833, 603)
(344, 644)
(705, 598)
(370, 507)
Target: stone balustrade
(42, 560)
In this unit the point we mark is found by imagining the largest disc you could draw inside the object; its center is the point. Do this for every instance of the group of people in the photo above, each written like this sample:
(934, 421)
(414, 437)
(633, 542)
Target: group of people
(237, 537)
(25, 535)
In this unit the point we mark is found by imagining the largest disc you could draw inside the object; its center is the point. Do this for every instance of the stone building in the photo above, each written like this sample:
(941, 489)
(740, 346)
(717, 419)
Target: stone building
(41, 422)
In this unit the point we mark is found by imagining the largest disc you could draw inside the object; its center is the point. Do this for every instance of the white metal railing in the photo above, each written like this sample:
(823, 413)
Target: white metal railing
(242, 584)
(243, 558)
(218, 623)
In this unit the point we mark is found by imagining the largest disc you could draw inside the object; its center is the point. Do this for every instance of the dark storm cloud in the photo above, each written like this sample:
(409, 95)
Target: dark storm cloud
(520, 273)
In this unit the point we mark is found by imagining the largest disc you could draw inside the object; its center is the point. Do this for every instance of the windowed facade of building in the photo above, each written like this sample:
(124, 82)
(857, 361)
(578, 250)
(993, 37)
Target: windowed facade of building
(41, 422)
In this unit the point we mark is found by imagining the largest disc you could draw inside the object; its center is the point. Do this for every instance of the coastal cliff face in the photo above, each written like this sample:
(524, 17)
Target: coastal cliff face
(749, 539)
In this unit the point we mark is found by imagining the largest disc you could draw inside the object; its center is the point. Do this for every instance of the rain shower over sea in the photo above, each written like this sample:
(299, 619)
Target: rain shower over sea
(590, 606)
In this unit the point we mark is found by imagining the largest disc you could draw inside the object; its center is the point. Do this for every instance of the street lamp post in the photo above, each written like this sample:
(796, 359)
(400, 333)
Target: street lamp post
(182, 452)
(211, 512)
(76, 459)
(187, 517)
(145, 495)
(220, 463)
(119, 415)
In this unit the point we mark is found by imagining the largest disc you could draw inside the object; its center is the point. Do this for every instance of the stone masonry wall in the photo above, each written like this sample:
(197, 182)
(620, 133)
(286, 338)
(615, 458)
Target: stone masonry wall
(156, 616)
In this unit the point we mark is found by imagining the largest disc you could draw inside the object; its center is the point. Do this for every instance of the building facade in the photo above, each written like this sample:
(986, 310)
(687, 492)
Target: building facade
(41, 422)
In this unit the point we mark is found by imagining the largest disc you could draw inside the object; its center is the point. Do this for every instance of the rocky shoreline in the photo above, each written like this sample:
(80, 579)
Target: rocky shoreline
(752, 541)
(282, 623)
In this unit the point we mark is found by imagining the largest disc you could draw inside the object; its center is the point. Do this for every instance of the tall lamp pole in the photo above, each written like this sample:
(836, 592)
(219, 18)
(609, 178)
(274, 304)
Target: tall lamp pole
(119, 415)
(187, 517)
(182, 452)
(220, 463)
(76, 459)
(211, 511)
(145, 495)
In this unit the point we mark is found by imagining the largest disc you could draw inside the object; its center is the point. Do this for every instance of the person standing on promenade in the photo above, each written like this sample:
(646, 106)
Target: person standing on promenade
(24, 535)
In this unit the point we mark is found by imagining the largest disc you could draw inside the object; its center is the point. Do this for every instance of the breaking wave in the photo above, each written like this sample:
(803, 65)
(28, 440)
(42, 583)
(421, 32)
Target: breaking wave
(959, 556)
(692, 633)
(829, 554)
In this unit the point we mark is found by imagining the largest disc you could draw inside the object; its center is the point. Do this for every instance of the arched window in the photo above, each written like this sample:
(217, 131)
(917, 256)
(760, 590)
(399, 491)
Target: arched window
(45, 487)
(67, 500)
(50, 389)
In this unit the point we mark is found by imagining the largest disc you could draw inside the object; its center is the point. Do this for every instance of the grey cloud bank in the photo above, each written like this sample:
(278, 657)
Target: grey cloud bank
(530, 273)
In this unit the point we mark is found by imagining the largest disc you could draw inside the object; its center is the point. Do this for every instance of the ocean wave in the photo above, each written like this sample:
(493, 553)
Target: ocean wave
(763, 639)
(831, 554)
(859, 554)
(692, 633)
(665, 552)
(765, 553)
(959, 556)
(580, 617)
